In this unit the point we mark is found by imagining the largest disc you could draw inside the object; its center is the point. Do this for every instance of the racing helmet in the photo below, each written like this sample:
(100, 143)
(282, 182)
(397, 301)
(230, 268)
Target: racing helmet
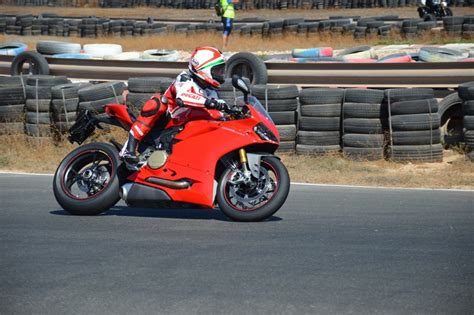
(208, 64)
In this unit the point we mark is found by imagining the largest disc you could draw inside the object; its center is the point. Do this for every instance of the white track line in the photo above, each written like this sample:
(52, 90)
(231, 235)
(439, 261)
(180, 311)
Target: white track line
(299, 184)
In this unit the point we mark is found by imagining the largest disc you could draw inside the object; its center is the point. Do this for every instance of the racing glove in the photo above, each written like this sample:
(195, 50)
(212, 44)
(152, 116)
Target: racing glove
(216, 104)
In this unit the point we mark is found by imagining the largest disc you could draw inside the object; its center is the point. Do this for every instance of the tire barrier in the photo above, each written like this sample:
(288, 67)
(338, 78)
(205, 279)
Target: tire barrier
(281, 103)
(38, 104)
(359, 28)
(12, 105)
(64, 105)
(141, 89)
(37, 64)
(319, 121)
(414, 125)
(12, 48)
(466, 93)
(363, 123)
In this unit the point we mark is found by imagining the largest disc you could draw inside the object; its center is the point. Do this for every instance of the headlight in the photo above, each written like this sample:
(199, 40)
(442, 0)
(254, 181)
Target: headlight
(263, 132)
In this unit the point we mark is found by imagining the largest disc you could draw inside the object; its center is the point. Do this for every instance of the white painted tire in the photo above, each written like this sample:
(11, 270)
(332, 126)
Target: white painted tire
(160, 55)
(12, 48)
(433, 54)
(101, 50)
(368, 54)
(130, 55)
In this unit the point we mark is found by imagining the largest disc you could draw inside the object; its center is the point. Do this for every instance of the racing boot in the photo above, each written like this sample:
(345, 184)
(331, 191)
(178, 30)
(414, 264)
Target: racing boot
(128, 152)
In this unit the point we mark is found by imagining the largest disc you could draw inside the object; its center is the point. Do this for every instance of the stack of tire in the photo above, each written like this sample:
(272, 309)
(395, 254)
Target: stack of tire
(414, 124)
(94, 97)
(281, 102)
(409, 28)
(64, 105)
(364, 121)
(25, 21)
(468, 27)
(319, 128)
(57, 47)
(38, 103)
(453, 25)
(88, 27)
(466, 93)
(141, 89)
(12, 105)
(228, 93)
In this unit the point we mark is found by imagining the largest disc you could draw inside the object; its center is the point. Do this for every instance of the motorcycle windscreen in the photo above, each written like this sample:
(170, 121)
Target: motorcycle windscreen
(255, 103)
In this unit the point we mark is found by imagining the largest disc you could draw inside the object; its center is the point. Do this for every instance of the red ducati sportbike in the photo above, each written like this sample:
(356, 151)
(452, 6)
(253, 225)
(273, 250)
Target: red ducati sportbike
(228, 162)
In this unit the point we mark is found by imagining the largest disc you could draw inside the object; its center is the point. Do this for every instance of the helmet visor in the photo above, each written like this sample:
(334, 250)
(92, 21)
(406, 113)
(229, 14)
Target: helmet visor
(218, 73)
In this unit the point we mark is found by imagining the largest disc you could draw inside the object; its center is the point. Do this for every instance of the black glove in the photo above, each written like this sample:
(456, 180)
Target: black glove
(216, 104)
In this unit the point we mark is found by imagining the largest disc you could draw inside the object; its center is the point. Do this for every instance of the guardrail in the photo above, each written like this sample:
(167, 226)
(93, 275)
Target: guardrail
(433, 75)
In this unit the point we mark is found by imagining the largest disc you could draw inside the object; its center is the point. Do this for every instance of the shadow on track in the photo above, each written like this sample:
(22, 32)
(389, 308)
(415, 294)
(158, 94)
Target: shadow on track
(184, 213)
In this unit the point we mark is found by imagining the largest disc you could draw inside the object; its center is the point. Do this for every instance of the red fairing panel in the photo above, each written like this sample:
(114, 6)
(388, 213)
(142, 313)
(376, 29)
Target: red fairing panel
(120, 112)
(196, 157)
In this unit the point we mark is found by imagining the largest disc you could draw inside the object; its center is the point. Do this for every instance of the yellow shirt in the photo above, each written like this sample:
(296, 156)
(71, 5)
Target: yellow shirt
(229, 11)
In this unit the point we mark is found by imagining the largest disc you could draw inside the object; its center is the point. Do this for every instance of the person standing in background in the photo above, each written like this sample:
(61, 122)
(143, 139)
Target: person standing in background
(228, 16)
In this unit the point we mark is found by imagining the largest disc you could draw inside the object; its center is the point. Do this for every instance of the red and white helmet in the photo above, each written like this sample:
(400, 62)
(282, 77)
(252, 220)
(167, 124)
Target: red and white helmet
(208, 64)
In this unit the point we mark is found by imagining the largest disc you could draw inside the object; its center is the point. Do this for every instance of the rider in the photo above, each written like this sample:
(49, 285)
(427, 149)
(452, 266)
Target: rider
(192, 89)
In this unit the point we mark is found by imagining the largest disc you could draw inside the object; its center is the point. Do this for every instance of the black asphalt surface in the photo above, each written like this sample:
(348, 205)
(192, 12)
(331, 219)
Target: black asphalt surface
(329, 250)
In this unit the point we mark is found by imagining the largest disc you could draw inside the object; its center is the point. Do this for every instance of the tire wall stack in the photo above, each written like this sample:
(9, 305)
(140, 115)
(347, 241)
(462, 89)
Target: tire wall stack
(64, 105)
(141, 89)
(38, 104)
(364, 122)
(12, 105)
(466, 93)
(93, 98)
(319, 128)
(281, 102)
(415, 125)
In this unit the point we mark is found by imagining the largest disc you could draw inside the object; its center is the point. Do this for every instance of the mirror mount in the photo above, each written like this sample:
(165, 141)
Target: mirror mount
(240, 85)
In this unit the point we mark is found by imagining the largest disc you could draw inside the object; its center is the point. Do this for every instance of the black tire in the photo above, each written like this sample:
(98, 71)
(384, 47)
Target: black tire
(42, 92)
(69, 105)
(15, 81)
(417, 153)
(466, 91)
(317, 149)
(399, 95)
(319, 123)
(37, 63)
(287, 132)
(55, 47)
(414, 107)
(70, 90)
(364, 110)
(283, 118)
(468, 108)
(284, 105)
(363, 140)
(364, 125)
(468, 122)
(420, 137)
(12, 95)
(363, 154)
(469, 138)
(415, 122)
(38, 118)
(153, 85)
(364, 96)
(271, 206)
(319, 138)
(102, 200)
(64, 117)
(321, 96)
(101, 91)
(46, 80)
(445, 105)
(246, 64)
(40, 105)
(286, 147)
(12, 113)
(275, 92)
(98, 105)
(321, 110)
(453, 20)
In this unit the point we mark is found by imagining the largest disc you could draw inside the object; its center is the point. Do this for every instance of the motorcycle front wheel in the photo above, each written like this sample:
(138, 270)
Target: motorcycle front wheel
(257, 199)
(86, 181)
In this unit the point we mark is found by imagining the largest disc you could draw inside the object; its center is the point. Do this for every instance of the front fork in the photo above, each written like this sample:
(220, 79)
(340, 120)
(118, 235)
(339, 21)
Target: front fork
(244, 162)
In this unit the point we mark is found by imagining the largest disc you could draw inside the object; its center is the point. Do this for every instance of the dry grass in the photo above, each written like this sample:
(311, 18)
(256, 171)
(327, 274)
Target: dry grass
(20, 153)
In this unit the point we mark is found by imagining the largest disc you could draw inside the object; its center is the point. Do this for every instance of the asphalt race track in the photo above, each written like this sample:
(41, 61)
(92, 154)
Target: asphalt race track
(329, 250)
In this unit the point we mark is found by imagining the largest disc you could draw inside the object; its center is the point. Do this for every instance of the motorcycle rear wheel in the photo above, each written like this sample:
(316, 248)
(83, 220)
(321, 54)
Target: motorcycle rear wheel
(257, 200)
(86, 181)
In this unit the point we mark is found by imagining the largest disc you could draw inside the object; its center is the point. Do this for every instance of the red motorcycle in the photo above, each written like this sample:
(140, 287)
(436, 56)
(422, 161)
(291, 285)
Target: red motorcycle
(228, 162)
